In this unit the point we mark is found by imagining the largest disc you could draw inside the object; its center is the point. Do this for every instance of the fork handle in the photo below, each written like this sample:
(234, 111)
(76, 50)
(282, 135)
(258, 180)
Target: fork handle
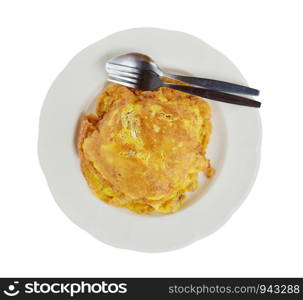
(214, 95)
(215, 85)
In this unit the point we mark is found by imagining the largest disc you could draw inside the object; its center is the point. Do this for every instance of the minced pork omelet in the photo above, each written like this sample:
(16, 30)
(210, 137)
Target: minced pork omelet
(143, 150)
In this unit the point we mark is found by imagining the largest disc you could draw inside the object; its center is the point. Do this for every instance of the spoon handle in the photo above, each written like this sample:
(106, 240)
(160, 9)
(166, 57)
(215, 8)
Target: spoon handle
(216, 85)
(214, 95)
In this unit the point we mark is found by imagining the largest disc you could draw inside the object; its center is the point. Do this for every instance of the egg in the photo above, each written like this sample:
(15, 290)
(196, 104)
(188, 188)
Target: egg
(143, 150)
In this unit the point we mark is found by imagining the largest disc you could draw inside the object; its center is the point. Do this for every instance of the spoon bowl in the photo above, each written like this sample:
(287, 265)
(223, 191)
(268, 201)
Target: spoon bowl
(135, 60)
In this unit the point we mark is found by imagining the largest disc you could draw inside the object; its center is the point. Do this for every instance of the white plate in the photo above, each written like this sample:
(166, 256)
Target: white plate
(234, 148)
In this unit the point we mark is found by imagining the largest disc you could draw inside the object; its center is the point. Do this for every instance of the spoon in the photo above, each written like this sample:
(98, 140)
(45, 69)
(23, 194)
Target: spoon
(143, 62)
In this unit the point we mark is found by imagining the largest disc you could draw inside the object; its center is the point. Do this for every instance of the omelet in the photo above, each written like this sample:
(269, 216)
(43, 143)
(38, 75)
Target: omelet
(143, 150)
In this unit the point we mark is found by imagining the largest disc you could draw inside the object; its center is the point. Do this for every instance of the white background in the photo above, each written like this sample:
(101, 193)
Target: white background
(263, 38)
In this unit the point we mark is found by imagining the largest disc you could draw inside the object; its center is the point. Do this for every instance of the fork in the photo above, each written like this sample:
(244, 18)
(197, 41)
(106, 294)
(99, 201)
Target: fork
(149, 81)
(144, 62)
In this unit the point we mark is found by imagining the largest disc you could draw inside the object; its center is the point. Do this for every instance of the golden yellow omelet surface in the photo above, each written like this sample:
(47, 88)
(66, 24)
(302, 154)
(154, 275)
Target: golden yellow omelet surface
(143, 150)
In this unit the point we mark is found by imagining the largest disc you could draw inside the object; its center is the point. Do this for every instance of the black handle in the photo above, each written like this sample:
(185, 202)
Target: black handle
(215, 95)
